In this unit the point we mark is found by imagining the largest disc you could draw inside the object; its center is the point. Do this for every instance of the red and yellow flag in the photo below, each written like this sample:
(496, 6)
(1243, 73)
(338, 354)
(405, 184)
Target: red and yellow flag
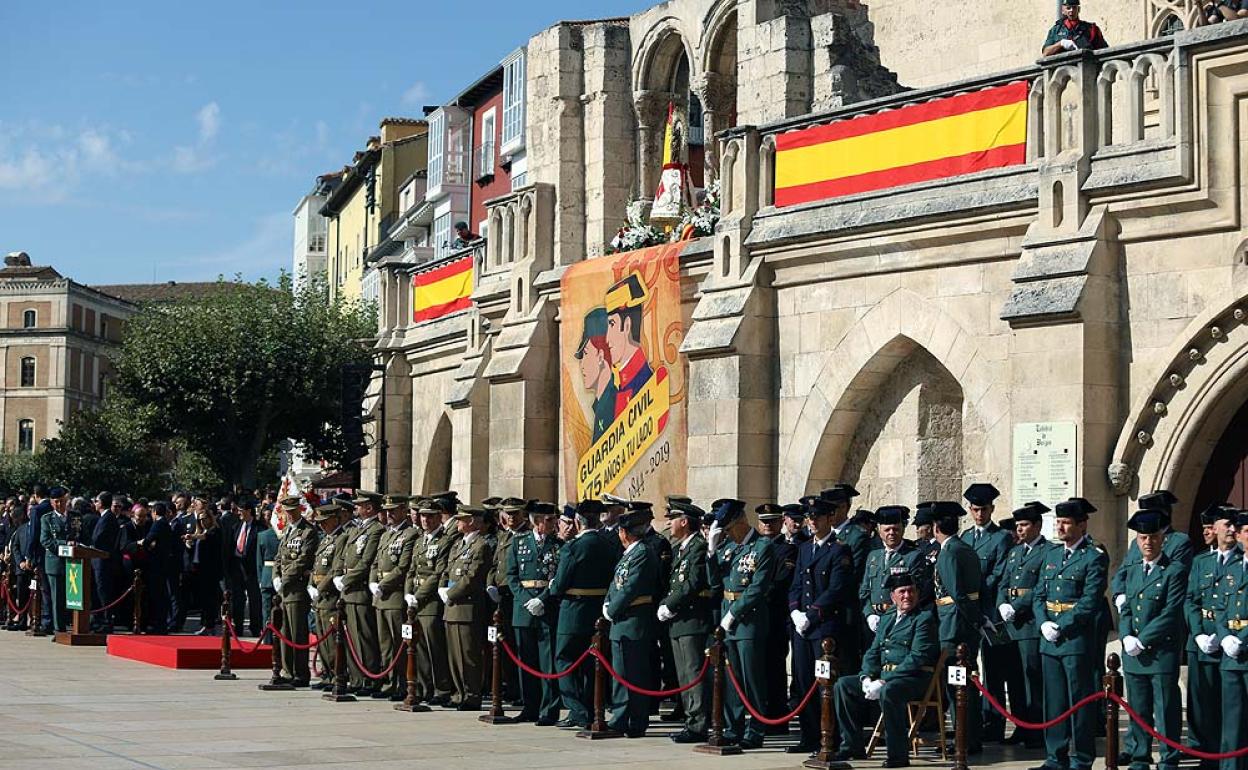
(443, 290)
(933, 140)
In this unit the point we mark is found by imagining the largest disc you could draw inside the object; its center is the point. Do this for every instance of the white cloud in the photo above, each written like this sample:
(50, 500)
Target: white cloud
(209, 119)
(416, 94)
(190, 159)
(46, 161)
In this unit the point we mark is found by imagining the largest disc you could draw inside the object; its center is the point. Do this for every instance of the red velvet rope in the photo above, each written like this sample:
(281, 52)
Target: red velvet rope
(355, 656)
(229, 625)
(652, 693)
(1173, 743)
(784, 720)
(539, 674)
(1094, 697)
(4, 589)
(119, 600)
(296, 645)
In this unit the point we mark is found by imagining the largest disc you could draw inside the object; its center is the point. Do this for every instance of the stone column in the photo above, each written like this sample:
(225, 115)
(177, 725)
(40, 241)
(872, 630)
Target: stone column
(651, 109)
(718, 95)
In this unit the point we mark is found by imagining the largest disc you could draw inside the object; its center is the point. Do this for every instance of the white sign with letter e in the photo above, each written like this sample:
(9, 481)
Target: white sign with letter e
(957, 675)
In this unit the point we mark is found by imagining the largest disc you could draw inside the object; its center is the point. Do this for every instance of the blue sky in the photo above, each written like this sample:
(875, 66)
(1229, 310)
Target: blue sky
(147, 140)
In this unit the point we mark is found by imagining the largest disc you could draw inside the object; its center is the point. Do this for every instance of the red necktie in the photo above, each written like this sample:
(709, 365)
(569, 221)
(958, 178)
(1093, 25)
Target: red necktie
(242, 539)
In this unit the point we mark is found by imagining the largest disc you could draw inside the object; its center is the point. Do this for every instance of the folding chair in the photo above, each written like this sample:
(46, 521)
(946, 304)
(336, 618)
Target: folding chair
(933, 698)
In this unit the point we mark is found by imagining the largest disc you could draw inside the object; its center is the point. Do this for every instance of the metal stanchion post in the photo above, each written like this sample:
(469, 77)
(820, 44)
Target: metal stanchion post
(825, 675)
(1113, 685)
(411, 632)
(497, 715)
(959, 727)
(277, 682)
(225, 672)
(715, 743)
(339, 694)
(598, 729)
(136, 617)
(36, 604)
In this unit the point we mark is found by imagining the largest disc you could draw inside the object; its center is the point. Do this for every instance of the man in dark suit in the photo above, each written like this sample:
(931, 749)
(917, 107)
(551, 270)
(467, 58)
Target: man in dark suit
(163, 558)
(19, 549)
(181, 597)
(819, 606)
(241, 576)
(38, 506)
(110, 537)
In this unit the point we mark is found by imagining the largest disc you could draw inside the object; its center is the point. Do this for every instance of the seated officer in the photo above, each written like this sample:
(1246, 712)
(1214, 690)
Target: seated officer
(1150, 625)
(896, 669)
(1069, 33)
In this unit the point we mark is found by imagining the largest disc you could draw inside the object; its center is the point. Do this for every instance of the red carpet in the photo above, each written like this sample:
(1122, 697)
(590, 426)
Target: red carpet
(196, 652)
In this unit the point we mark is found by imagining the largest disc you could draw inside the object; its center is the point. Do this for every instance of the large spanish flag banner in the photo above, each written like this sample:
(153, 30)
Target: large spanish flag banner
(933, 140)
(442, 290)
(622, 376)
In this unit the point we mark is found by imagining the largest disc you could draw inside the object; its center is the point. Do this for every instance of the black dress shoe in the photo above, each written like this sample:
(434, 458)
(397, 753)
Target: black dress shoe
(568, 724)
(801, 748)
(896, 763)
(468, 707)
(1046, 767)
(380, 694)
(440, 700)
(688, 736)
(845, 755)
(1124, 758)
(751, 743)
(300, 683)
(635, 734)
(546, 722)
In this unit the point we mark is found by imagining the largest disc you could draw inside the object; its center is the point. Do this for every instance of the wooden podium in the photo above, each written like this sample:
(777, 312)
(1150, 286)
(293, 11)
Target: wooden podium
(78, 593)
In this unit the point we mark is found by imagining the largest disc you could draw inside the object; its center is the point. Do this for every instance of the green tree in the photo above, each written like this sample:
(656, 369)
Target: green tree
(104, 449)
(235, 371)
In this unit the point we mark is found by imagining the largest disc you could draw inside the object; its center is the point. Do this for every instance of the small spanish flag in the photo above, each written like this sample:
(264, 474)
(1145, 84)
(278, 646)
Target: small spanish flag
(918, 143)
(443, 290)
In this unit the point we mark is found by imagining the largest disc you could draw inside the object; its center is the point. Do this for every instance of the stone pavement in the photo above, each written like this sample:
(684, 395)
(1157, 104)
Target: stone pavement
(79, 708)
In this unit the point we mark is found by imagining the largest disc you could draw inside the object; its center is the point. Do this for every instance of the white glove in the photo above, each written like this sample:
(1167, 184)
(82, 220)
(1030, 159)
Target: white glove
(1006, 611)
(800, 621)
(492, 592)
(1120, 600)
(664, 614)
(727, 621)
(1068, 44)
(338, 583)
(410, 599)
(535, 607)
(873, 689)
(604, 612)
(1132, 646)
(866, 684)
(1048, 629)
(443, 593)
(1231, 645)
(712, 537)
(873, 622)
(277, 583)
(1206, 643)
(313, 594)
(373, 588)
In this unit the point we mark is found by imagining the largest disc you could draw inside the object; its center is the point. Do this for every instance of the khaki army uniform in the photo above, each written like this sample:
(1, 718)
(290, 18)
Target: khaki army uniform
(357, 562)
(293, 566)
(430, 555)
(326, 566)
(467, 615)
(386, 579)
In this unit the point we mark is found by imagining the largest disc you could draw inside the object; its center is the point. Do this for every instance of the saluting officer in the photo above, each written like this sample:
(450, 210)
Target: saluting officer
(1231, 618)
(353, 584)
(896, 555)
(291, 574)
(1018, 580)
(466, 613)
(385, 582)
(1150, 625)
(686, 612)
(331, 517)
(745, 571)
(586, 567)
(823, 583)
(430, 557)
(991, 544)
(896, 670)
(958, 582)
(629, 607)
(531, 566)
(1204, 582)
(1067, 601)
(770, 523)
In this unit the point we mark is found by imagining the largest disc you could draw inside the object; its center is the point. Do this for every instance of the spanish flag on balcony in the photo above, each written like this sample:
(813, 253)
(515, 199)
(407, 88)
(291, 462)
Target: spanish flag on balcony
(442, 290)
(918, 143)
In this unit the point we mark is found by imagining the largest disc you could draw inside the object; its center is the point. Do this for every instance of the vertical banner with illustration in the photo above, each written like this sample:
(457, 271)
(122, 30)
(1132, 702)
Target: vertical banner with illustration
(623, 380)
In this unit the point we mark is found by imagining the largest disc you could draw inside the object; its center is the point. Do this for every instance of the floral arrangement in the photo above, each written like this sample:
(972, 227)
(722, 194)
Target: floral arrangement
(700, 221)
(696, 222)
(638, 233)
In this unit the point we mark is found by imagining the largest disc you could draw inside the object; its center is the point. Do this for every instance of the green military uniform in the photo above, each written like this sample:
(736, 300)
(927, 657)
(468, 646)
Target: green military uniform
(267, 544)
(54, 533)
(1204, 690)
(500, 591)
(1084, 34)
(875, 598)
(586, 567)
(293, 568)
(958, 582)
(859, 544)
(467, 612)
(358, 559)
(689, 601)
(1019, 576)
(1231, 622)
(1067, 601)
(533, 562)
(662, 547)
(1152, 616)
(745, 570)
(630, 607)
(1001, 668)
(903, 653)
(386, 579)
(327, 565)
(429, 560)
